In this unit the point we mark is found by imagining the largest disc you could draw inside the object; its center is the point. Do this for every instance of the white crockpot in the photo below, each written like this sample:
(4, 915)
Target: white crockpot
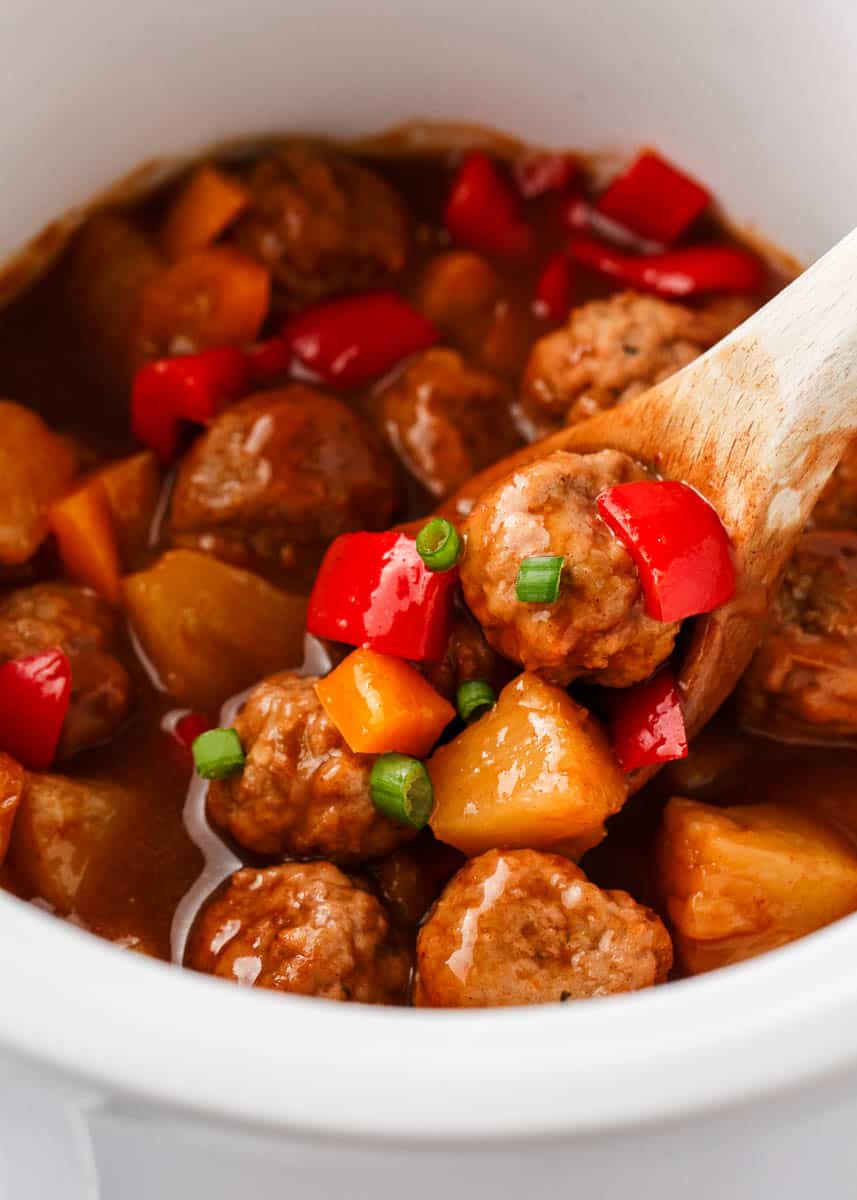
(123, 1078)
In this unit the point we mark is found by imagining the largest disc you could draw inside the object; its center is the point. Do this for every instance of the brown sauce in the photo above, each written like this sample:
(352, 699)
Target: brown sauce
(45, 365)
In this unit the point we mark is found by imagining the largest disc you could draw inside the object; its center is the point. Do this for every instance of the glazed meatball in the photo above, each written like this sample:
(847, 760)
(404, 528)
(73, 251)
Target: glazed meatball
(322, 223)
(466, 298)
(303, 928)
(524, 927)
(597, 627)
(49, 615)
(612, 349)
(446, 420)
(837, 505)
(468, 656)
(302, 792)
(803, 680)
(279, 476)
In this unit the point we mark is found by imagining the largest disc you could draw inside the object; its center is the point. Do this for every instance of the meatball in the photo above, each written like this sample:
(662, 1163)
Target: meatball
(49, 615)
(466, 298)
(524, 927)
(409, 879)
(612, 349)
(446, 420)
(468, 656)
(322, 223)
(837, 505)
(304, 928)
(803, 680)
(302, 792)
(597, 627)
(279, 476)
(12, 781)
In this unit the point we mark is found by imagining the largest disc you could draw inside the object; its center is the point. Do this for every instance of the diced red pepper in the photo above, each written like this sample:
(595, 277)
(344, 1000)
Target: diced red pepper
(678, 543)
(268, 360)
(539, 173)
(192, 387)
(188, 728)
(693, 271)
(373, 589)
(654, 199)
(482, 211)
(34, 697)
(353, 341)
(646, 723)
(553, 289)
(580, 216)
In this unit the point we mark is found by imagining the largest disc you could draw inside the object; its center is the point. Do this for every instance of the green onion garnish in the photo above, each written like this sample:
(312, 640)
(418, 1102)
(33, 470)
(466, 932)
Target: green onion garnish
(538, 579)
(472, 697)
(217, 753)
(439, 545)
(401, 789)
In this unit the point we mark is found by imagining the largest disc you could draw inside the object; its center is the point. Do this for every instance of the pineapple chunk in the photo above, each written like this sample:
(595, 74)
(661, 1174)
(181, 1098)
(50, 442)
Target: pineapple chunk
(739, 881)
(535, 772)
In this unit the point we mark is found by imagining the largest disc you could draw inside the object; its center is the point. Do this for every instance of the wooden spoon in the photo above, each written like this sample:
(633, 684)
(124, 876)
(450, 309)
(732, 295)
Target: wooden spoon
(757, 425)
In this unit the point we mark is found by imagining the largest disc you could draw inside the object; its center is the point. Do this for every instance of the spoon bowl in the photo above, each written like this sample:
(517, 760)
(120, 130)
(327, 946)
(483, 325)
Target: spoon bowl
(757, 425)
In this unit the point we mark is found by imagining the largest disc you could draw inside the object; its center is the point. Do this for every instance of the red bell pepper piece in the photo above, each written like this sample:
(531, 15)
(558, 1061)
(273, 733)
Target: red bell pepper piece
(678, 543)
(268, 360)
(35, 692)
(352, 341)
(192, 387)
(482, 211)
(373, 589)
(688, 272)
(580, 216)
(654, 199)
(539, 173)
(553, 289)
(188, 728)
(646, 723)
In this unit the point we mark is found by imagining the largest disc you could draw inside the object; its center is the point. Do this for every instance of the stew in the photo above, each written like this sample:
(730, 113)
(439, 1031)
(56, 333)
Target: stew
(232, 631)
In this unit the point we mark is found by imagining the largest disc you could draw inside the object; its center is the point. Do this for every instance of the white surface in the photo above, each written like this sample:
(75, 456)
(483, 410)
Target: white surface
(758, 1064)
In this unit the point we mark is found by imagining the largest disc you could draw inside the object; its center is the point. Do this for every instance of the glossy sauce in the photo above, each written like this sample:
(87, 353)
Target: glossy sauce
(148, 893)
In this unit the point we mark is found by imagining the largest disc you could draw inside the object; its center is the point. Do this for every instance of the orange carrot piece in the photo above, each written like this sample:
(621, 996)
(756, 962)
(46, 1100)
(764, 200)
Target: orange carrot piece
(207, 205)
(381, 704)
(214, 297)
(86, 539)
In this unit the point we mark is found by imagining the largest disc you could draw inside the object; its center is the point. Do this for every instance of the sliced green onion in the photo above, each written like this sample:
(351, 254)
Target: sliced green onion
(538, 579)
(217, 753)
(401, 789)
(472, 697)
(439, 545)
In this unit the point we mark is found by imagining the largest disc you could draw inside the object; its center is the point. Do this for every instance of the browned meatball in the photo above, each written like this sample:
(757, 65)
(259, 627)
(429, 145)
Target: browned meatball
(466, 298)
(612, 349)
(322, 223)
(446, 420)
(49, 615)
(279, 476)
(304, 928)
(597, 626)
(837, 505)
(524, 927)
(410, 879)
(803, 680)
(468, 656)
(302, 792)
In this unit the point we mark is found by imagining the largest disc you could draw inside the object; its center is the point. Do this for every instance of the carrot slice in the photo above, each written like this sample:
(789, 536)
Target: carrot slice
(206, 206)
(381, 704)
(86, 539)
(215, 297)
